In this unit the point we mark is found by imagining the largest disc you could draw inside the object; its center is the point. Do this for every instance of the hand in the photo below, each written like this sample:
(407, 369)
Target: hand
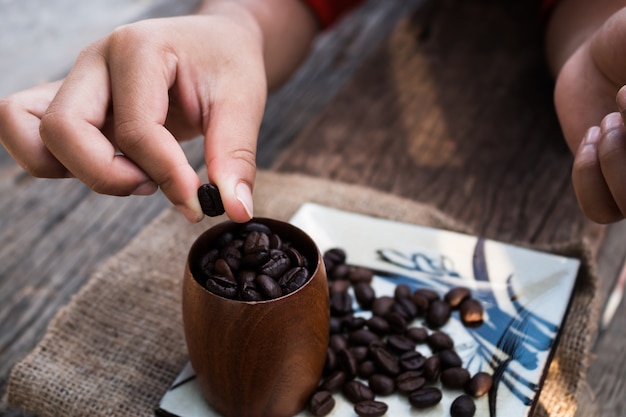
(599, 172)
(116, 120)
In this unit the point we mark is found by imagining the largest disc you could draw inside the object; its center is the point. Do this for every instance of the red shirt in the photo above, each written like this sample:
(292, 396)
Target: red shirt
(329, 11)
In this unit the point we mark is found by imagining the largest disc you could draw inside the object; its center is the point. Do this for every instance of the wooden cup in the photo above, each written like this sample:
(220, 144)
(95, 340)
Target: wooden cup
(257, 359)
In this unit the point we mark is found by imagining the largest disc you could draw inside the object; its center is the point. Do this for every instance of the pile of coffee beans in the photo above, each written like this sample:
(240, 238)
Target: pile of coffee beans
(252, 264)
(376, 357)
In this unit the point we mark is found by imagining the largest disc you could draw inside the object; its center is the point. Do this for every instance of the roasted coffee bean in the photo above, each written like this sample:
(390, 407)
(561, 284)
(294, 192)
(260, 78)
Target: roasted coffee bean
(399, 343)
(362, 337)
(405, 308)
(420, 302)
(334, 382)
(275, 241)
(221, 287)
(438, 314)
(268, 286)
(386, 361)
(397, 323)
(417, 334)
(244, 276)
(221, 268)
(358, 274)
(378, 325)
(454, 378)
(412, 360)
(364, 294)
(366, 369)
(479, 384)
(339, 286)
(440, 341)
(334, 256)
(293, 279)
(278, 266)
(348, 363)
(382, 305)
(256, 242)
(410, 381)
(339, 273)
(255, 259)
(338, 342)
(232, 256)
(295, 257)
(352, 323)
(371, 408)
(382, 384)
(463, 406)
(335, 325)
(321, 403)
(356, 391)
(471, 312)
(432, 368)
(210, 200)
(249, 292)
(340, 303)
(360, 353)
(455, 296)
(430, 295)
(402, 291)
(449, 359)
(425, 397)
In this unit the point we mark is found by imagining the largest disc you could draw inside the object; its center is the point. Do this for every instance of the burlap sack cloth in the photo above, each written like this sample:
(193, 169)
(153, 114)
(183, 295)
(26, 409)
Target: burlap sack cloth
(115, 348)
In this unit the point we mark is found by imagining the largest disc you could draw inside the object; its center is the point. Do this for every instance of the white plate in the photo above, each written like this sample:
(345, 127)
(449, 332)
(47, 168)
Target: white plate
(525, 294)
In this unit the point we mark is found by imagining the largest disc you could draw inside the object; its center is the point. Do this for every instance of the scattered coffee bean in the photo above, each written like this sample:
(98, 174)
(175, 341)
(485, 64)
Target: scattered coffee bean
(377, 356)
(425, 397)
(371, 408)
(455, 378)
(471, 312)
(321, 403)
(356, 391)
(479, 384)
(463, 406)
(210, 200)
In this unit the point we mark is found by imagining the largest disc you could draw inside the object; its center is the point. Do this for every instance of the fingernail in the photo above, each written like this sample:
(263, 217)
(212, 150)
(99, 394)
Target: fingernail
(612, 121)
(590, 140)
(147, 188)
(244, 196)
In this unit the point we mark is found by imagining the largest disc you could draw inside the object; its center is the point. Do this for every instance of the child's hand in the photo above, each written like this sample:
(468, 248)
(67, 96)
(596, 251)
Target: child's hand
(115, 121)
(599, 173)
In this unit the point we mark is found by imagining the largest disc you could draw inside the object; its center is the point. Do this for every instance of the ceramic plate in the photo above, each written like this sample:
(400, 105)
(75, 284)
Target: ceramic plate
(525, 295)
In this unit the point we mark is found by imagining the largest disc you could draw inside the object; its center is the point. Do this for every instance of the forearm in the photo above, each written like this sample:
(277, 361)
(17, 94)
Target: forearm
(571, 23)
(286, 29)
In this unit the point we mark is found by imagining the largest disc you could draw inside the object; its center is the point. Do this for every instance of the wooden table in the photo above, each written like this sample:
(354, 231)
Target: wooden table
(407, 96)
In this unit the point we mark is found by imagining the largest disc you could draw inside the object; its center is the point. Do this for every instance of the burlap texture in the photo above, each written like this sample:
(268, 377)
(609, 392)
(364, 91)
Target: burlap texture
(115, 348)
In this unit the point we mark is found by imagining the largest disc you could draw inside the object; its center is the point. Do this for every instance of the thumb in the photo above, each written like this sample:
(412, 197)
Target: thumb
(230, 145)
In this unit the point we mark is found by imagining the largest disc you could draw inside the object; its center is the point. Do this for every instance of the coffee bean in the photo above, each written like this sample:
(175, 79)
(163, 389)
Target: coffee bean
(410, 381)
(339, 286)
(479, 384)
(210, 200)
(362, 337)
(364, 294)
(340, 303)
(334, 382)
(402, 291)
(432, 368)
(455, 296)
(412, 360)
(382, 305)
(321, 403)
(397, 323)
(278, 266)
(371, 408)
(338, 342)
(378, 325)
(221, 287)
(295, 257)
(455, 378)
(358, 274)
(293, 279)
(430, 295)
(386, 361)
(463, 406)
(471, 312)
(425, 397)
(268, 286)
(360, 353)
(334, 256)
(256, 242)
(438, 314)
(417, 334)
(353, 323)
(331, 361)
(405, 308)
(399, 343)
(382, 384)
(440, 341)
(449, 359)
(356, 391)
(348, 363)
(421, 303)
